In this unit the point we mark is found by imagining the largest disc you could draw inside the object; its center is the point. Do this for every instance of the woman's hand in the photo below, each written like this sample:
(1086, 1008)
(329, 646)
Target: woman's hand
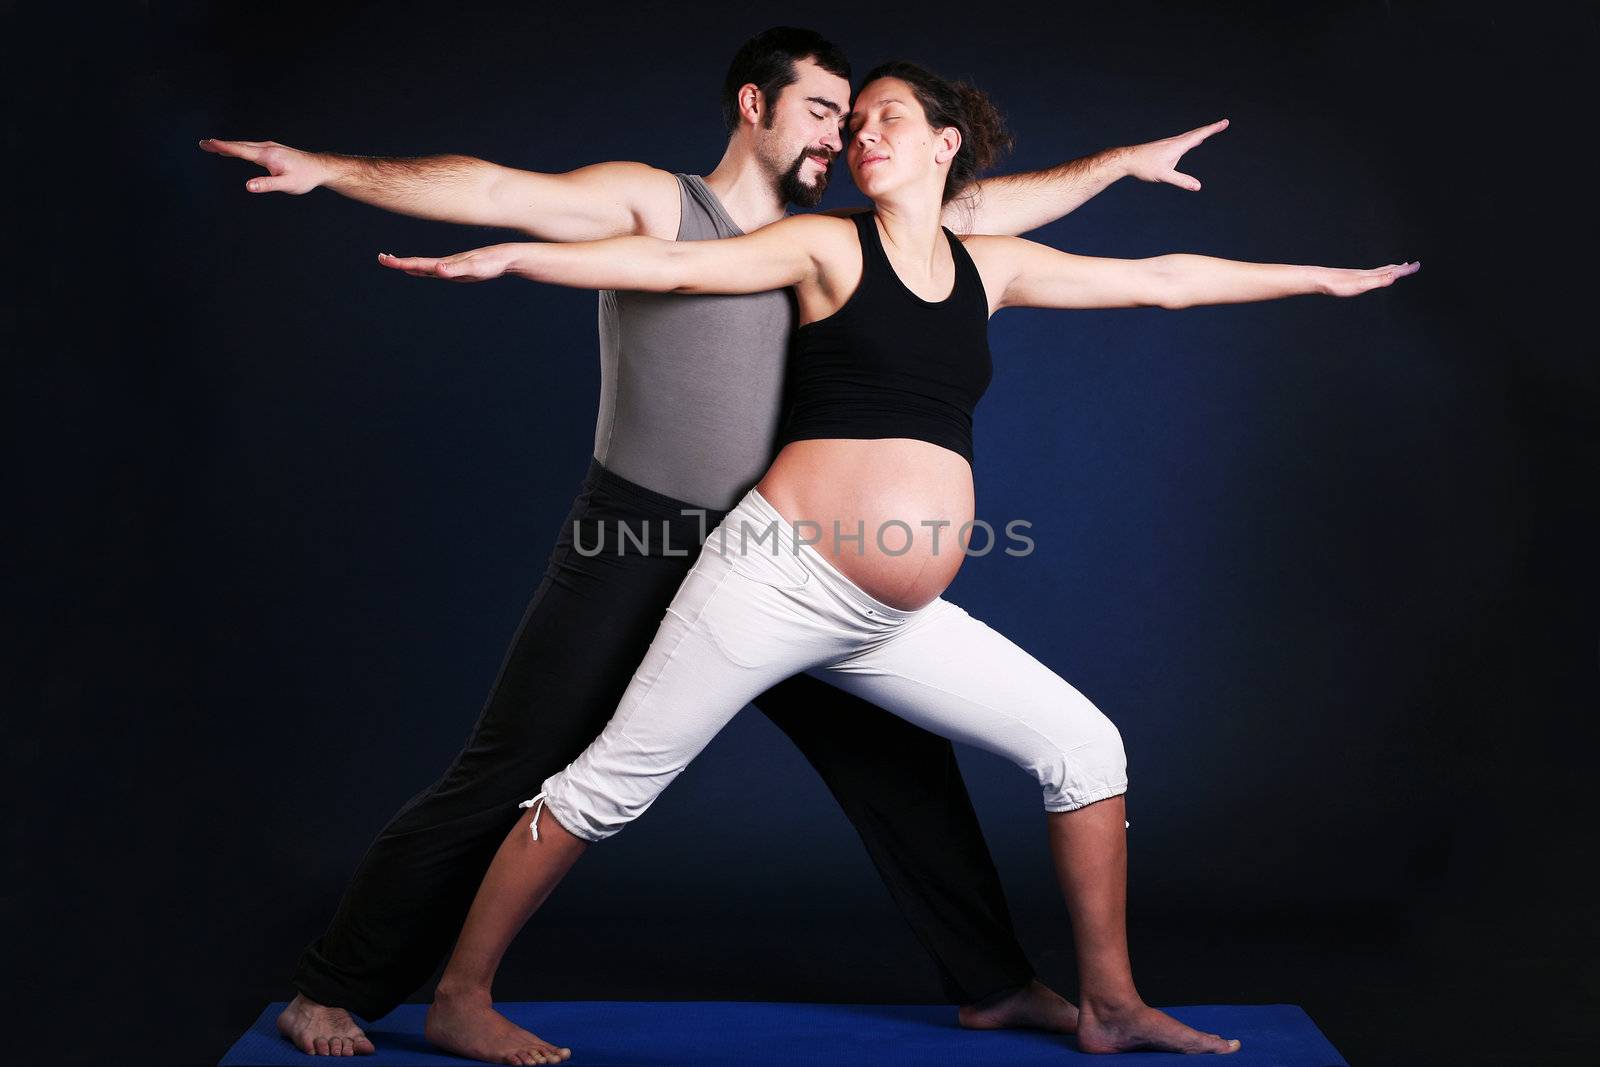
(1343, 281)
(477, 265)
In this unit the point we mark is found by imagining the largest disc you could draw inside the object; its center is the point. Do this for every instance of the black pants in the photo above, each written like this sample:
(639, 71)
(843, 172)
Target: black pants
(584, 633)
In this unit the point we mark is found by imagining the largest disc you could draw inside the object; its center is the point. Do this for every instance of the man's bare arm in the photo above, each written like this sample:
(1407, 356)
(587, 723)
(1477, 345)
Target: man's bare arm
(591, 203)
(1016, 203)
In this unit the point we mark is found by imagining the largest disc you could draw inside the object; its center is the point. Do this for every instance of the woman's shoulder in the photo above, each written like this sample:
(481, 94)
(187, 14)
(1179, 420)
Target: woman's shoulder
(829, 240)
(817, 225)
(988, 247)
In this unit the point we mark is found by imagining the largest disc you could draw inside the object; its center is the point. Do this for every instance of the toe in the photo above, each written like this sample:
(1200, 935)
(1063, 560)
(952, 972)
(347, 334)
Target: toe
(363, 1045)
(320, 1046)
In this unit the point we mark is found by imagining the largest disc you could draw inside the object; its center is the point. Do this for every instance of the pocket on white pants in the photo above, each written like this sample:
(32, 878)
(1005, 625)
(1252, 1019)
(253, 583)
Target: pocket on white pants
(760, 622)
(759, 563)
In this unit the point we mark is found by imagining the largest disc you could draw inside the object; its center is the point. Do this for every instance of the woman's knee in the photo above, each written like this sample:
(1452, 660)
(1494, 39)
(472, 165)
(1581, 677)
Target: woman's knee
(588, 814)
(1089, 765)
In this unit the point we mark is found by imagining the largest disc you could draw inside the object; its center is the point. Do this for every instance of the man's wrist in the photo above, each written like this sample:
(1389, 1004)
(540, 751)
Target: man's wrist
(1115, 163)
(338, 172)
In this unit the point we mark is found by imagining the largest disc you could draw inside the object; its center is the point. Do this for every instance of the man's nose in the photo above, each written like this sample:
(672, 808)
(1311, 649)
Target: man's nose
(832, 141)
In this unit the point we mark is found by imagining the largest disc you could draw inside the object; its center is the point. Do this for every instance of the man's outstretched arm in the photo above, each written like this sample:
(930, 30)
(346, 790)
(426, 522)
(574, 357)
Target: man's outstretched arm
(1016, 203)
(588, 204)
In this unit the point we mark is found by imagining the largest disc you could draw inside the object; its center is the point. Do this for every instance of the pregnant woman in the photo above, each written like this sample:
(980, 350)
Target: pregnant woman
(834, 563)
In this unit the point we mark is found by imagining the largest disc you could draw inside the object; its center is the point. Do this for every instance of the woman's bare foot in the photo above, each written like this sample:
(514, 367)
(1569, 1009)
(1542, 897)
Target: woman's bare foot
(1125, 1027)
(318, 1030)
(468, 1025)
(1033, 1007)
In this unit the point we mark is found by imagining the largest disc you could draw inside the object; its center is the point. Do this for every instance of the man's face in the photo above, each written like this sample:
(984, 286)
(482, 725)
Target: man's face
(801, 133)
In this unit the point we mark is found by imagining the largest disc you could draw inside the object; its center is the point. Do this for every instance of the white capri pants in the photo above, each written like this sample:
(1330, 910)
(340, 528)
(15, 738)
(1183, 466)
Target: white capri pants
(751, 613)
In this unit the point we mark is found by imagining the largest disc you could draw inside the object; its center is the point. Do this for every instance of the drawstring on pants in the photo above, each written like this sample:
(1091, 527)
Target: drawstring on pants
(537, 804)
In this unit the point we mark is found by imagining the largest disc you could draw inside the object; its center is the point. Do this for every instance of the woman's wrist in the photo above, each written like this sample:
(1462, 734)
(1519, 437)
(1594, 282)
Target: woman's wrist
(1315, 280)
(523, 259)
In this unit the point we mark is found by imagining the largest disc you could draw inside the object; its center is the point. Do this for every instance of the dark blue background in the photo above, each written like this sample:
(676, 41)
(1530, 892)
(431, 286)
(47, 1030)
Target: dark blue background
(1328, 564)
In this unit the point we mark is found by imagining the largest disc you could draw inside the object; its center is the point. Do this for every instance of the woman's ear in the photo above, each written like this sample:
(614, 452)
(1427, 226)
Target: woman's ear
(947, 143)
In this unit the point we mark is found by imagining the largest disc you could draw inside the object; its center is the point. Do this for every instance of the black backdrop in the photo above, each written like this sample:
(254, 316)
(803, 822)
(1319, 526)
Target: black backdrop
(1329, 564)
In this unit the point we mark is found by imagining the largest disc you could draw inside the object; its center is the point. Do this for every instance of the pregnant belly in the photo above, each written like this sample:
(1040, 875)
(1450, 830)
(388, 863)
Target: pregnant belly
(887, 513)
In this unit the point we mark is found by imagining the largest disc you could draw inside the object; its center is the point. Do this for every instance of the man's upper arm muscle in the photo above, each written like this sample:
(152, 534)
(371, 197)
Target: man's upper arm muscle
(588, 204)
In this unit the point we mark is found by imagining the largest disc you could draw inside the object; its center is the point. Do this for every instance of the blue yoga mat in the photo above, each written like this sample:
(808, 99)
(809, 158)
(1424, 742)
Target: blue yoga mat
(737, 1034)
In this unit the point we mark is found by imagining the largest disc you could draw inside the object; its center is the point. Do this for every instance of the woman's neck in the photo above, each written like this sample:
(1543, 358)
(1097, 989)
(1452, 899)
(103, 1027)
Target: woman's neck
(913, 228)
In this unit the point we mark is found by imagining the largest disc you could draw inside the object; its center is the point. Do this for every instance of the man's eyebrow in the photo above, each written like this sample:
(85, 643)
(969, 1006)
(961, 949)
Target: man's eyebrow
(822, 101)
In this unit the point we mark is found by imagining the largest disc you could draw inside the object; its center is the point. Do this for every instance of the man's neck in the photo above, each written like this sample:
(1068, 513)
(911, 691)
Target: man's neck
(745, 188)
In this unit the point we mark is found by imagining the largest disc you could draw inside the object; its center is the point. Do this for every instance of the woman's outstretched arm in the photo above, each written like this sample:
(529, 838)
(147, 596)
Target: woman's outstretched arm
(1020, 273)
(773, 257)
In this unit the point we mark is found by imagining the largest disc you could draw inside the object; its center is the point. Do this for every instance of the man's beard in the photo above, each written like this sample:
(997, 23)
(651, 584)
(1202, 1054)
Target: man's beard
(794, 191)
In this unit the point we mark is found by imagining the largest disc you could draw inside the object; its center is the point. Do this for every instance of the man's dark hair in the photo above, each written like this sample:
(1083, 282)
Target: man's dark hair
(767, 61)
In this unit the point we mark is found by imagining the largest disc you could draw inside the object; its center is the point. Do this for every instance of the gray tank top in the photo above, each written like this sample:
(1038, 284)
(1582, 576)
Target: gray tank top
(691, 387)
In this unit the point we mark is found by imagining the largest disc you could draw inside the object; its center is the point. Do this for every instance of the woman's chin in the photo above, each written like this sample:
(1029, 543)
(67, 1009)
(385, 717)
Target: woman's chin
(869, 184)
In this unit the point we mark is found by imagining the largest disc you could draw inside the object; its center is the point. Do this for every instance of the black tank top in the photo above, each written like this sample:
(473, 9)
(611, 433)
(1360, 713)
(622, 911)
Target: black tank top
(889, 363)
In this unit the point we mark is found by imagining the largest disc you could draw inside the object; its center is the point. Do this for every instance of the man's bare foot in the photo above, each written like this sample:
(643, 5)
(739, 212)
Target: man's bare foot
(1123, 1028)
(468, 1025)
(1033, 1007)
(318, 1030)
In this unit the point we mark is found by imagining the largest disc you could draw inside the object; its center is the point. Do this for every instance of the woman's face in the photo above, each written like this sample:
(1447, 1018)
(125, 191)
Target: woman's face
(892, 147)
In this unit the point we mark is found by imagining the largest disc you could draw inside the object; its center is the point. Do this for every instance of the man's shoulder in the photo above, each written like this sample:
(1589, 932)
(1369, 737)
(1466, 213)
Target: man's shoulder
(650, 193)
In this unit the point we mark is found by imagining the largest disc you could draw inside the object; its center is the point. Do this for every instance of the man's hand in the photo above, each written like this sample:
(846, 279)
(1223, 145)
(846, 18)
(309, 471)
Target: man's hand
(1016, 203)
(1157, 161)
(477, 265)
(290, 170)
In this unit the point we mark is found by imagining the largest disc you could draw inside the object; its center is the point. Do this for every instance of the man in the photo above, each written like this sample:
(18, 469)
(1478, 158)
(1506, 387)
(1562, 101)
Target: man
(690, 401)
